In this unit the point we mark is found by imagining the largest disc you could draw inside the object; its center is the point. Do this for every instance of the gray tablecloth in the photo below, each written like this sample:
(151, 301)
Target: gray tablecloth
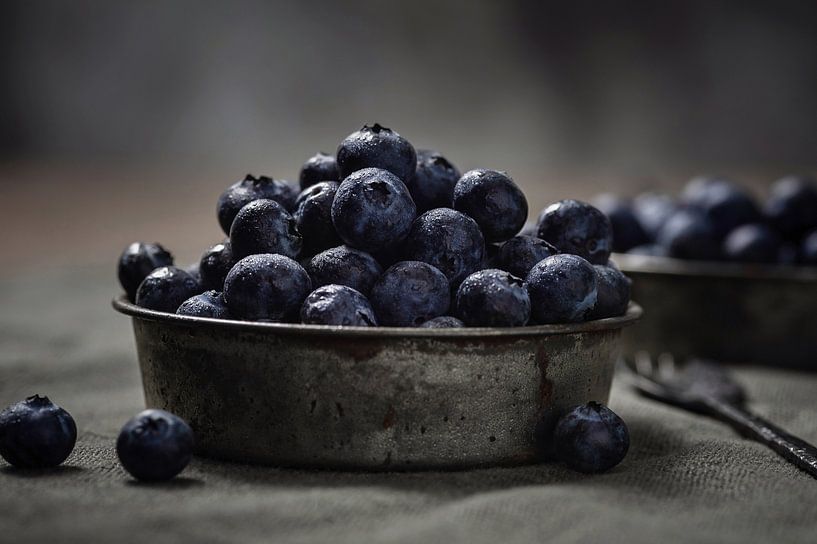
(686, 478)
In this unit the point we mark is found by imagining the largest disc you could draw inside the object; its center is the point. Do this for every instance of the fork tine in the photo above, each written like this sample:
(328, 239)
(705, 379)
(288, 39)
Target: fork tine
(666, 366)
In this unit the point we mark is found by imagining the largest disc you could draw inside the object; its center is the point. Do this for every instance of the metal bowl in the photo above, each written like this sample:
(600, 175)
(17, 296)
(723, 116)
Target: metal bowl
(369, 398)
(730, 312)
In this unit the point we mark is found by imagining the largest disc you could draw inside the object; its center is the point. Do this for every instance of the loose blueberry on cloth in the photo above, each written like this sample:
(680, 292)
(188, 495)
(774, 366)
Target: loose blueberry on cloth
(155, 445)
(36, 433)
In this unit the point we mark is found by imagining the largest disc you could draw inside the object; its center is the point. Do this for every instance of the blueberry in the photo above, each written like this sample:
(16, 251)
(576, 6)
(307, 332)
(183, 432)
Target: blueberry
(344, 265)
(214, 266)
(165, 289)
(137, 261)
(264, 226)
(519, 254)
(562, 288)
(36, 433)
(808, 249)
(494, 201)
(208, 304)
(432, 185)
(652, 210)
(377, 147)
(578, 228)
(443, 322)
(697, 188)
(689, 234)
(493, 298)
(448, 240)
(337, 305)
(591, 438)
(613, 292)
(251, 188)
(320, 167)
(724, 204)
(155, 445)
(651, 250)
(372, 210)
(753, 243)
(627, 230)
(266, 287)
(792, 206)
(410, 293)
(313, 215)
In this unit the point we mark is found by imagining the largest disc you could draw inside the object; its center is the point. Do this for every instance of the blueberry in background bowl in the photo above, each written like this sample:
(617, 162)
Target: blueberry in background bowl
(155, 445)
(36, 433)
(165, 289)
(627, 230)
(376, 147)
(372, 210)
(752, 243)
(252, 188)
(432, 185)
(410, 293)
(577, 228)
(494, 201)
(689, 234)
(266, 287)
(493, 298)
(344, 265)
(448, 240)
(137, 261)
(264, 226)
(725, 205)
(792, 206)
(320, 167)
(562, 288)
(337, 305)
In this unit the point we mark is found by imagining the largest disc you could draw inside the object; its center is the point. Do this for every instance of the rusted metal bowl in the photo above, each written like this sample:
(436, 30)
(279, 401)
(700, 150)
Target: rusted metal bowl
(757, 314)
(369, 398)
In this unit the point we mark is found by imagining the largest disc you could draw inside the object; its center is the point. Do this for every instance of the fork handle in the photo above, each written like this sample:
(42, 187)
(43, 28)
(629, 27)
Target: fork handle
(795, 450)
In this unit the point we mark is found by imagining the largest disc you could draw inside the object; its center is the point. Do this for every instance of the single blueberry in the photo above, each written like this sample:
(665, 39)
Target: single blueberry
(313, 216)
(724, 204)
(208, 304)
(410, 293)
(494, 201)
(697, 188)
(372, 210)
(493, 298)
(752, 243)
(155, 445)
(443, 322)
(808, 249)
(337, 305)
(264, 226)
(577, 228)
(650, 250)
(519, 254)
(36, 433)
(376, 147)
(562, 288)
(137, 261)
(689, 234)
(266, 287)
(448, 240)
(652, 210)
(613, 292)
(627, 230)
(165, 289)
(432, 185)
(241, 193)
(591, 438)
(214, 266)
(320, 167)
(792, 206)
(344, 265)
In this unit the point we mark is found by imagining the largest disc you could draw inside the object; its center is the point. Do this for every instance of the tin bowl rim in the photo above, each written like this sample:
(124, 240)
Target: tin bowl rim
(668, 266)
(124, 306)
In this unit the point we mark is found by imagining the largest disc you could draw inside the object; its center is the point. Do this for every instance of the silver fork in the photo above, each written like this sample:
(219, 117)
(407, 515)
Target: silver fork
(704, 387)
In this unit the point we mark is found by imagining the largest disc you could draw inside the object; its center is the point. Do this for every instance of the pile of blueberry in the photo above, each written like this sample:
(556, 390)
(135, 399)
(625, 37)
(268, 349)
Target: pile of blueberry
(381, 234)
(37, 434)
(716, 220)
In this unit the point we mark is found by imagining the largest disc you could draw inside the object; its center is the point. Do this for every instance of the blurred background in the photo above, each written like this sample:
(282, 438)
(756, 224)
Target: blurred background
(123, 121)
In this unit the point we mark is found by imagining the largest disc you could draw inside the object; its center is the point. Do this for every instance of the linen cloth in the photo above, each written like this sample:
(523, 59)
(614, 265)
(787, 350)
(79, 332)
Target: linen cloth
(686, 479)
